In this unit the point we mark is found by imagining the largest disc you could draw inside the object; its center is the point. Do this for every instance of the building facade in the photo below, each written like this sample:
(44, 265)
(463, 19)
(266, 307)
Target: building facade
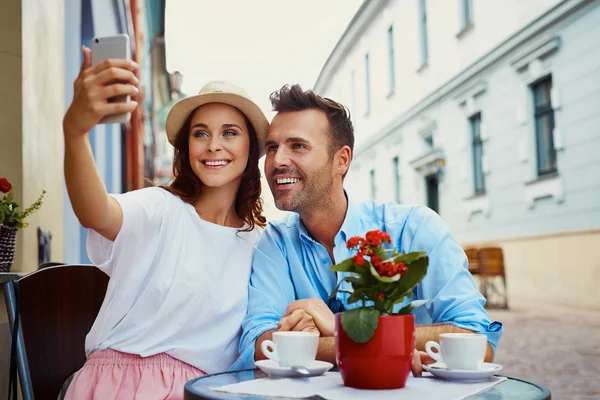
(487, 112)
(123, 152)
(40, 57)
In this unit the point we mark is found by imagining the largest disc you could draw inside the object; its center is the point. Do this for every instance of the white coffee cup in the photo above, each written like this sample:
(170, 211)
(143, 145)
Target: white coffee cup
(459, 350)
(292, 348)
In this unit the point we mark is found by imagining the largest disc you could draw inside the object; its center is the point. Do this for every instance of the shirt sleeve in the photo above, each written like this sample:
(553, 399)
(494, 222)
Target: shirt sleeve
(449, 285)
(143, 212)
(270, 292)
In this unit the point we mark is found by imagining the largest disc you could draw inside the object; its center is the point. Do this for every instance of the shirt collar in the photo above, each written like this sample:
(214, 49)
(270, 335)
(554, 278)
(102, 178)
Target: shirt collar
(351, 224)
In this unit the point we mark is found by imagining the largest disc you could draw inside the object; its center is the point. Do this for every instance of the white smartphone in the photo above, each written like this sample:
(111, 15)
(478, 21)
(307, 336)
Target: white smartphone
(116, 47)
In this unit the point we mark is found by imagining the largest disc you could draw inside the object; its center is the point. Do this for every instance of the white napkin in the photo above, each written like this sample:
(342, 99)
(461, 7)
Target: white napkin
(330, 386)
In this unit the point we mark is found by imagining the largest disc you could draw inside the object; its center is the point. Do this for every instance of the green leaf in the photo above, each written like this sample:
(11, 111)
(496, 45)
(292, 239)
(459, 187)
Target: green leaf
(385, 279)
(399, 300)
(360, 323)
(358, 294)
(416, 271)
(345, 266)
(35, 206)
(410, 307)
(409, 257)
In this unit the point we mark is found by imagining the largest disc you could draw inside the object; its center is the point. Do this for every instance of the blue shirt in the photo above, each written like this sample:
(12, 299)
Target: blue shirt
(289, 265)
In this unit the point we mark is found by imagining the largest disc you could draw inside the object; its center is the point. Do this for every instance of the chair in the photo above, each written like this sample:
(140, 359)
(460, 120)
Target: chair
(473, 257)
(474, 265)
(57, 307)
(491, 261)
(50, 264)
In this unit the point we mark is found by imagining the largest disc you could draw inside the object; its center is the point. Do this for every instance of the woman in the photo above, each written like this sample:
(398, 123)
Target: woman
(178, 257)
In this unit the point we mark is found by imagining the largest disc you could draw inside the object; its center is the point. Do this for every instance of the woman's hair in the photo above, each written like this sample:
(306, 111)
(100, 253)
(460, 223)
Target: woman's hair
(186, 185)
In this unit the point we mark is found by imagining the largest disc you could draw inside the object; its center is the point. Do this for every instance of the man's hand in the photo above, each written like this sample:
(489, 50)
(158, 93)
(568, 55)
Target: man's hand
(299, 321)
(420, 358)
(318, 310)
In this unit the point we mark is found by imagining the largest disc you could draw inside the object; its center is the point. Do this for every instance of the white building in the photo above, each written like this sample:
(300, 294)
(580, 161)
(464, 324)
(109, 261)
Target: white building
(488, 112)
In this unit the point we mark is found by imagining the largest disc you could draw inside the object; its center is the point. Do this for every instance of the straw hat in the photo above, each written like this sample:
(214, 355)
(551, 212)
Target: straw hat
(219, 92)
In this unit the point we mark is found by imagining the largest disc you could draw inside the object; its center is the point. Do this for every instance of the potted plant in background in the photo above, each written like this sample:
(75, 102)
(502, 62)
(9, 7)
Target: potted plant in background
(11, 220)
(374, 344)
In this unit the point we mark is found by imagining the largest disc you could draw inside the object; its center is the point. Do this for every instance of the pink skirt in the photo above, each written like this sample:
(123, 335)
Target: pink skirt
(110, 374)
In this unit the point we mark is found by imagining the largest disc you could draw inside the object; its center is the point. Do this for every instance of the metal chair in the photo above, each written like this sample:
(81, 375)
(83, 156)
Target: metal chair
(53, 309)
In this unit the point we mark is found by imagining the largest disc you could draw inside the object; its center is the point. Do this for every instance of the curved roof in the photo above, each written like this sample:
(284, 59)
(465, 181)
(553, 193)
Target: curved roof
(367, 11)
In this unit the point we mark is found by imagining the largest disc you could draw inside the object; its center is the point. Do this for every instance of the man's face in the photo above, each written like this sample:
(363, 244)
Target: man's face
(297, 165)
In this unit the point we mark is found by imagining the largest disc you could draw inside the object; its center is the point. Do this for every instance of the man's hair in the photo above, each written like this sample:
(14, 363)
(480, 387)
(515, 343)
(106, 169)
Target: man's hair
(341, 131)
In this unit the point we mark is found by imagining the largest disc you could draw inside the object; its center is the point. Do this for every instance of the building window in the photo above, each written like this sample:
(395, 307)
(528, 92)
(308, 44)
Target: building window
(367, 85)
(396, 162)
(477, 145)
(432, 191)
(466, 13)
(373, 184)
(423, 32)
(544, 127)
(429, 142)
(391, 63)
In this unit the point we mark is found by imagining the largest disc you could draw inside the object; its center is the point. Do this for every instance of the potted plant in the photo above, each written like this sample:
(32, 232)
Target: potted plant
(11, 220)
(374, 343)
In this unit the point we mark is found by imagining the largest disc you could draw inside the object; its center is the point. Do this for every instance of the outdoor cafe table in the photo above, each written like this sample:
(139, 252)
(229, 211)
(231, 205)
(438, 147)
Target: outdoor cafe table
(200, 388)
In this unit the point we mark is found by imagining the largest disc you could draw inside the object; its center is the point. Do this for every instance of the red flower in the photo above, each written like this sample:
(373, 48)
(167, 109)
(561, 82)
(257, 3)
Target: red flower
(376, 261)
(385, 237)
(388, 269)
(373, 238)
(402, 268)
(359, 259)
(380, 296)
(5, 185)
(354, 241)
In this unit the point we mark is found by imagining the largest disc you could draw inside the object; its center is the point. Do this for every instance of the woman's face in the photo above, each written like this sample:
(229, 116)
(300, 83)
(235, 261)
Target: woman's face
(219, 145)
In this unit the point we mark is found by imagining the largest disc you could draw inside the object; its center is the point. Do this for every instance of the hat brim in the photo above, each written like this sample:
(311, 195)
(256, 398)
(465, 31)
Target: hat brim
(182, 109)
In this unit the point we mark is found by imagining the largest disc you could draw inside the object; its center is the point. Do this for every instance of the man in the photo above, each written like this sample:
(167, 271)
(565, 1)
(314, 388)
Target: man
(308, 153)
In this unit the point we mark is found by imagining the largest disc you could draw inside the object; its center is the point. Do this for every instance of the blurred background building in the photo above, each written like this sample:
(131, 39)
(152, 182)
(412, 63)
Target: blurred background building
(40, 57)
(491, 119)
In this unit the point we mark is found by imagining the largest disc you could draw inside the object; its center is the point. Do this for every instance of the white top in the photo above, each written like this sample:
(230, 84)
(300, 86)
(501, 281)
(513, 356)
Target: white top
(178, 284)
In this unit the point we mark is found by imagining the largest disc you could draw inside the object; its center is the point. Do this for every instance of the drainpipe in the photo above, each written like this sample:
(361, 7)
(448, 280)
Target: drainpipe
(135, 145)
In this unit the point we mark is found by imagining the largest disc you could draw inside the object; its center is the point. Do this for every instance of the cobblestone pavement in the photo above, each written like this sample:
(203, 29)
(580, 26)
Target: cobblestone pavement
(556, 347)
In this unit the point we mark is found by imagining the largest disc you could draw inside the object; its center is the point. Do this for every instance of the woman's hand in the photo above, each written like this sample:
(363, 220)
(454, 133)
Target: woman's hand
(94, 86)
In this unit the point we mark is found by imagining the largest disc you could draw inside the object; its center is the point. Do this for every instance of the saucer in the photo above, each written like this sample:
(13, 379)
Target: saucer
(273, 369)
(486, 371)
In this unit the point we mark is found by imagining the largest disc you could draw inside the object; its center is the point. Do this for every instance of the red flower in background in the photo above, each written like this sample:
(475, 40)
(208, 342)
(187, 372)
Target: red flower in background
(5, 185)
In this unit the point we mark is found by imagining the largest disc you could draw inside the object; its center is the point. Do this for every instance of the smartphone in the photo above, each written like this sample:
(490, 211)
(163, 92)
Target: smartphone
(112, 47)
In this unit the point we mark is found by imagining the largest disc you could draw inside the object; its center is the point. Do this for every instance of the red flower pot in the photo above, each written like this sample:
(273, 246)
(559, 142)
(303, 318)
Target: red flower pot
(385, 361)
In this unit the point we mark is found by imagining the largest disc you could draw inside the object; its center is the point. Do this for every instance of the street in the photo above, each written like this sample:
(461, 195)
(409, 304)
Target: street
(556, 347)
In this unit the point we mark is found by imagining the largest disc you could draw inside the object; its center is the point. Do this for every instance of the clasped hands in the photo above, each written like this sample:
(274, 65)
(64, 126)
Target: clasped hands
(313, 315)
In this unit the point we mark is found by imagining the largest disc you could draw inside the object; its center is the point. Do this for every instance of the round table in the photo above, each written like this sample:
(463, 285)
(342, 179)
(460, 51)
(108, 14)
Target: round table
(199, 388)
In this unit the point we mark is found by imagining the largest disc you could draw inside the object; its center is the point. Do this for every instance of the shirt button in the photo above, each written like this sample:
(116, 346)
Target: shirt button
(325, 261)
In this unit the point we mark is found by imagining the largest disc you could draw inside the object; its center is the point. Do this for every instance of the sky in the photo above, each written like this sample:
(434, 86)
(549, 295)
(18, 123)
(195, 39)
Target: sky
(259, 45)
